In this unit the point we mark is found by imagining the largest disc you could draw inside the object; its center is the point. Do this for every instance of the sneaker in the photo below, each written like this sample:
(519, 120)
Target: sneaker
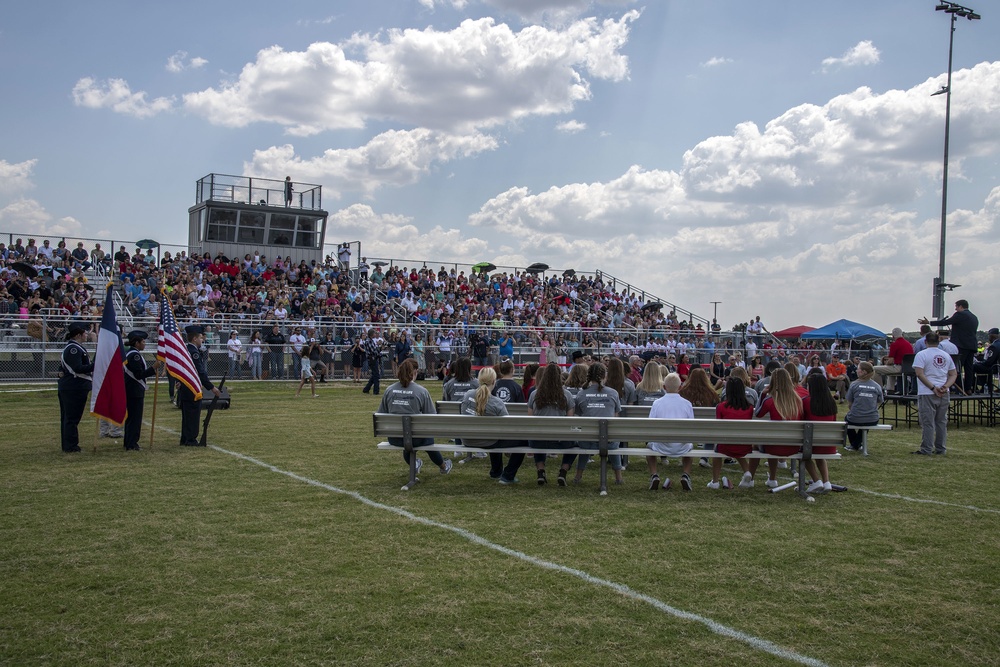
(815, 487)
(654, 482)
(747, 481)
(851, 448)
(703, 462)
(508, 482)
(447, 467)
(495, 475)
(726, 484)
(542, 480)
(783, 465)
(921, 453)
(561, 479)
(827, 487)
(686, 482)
(772, 483)
(712, 485)
(419, 465)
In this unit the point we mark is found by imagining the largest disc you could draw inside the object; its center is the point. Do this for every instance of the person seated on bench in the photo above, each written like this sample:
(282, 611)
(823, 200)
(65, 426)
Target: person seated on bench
(864, 397)
(819, 406)
(461, 380)
(736, 406)
(670, 406)
(596, 400)
(780, 402)
(551, 399)
(406, 397)
(651, 386)
(481, 402)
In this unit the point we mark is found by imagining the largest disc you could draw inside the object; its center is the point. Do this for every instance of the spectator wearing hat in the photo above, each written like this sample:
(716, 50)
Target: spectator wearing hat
(899, 348)
(191, 408)
(235, 347)
(81, 257)
(75, 382)
(136, 373)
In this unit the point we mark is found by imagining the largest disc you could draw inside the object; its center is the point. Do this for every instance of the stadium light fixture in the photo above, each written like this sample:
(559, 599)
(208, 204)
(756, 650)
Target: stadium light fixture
(940, 285)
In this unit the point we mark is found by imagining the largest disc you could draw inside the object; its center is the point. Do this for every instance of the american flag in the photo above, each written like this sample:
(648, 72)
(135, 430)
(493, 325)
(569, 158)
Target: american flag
(172, 351)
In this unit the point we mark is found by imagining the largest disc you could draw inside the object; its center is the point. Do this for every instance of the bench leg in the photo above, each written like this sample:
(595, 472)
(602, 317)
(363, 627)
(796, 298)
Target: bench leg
(604, 475)
(864, 442)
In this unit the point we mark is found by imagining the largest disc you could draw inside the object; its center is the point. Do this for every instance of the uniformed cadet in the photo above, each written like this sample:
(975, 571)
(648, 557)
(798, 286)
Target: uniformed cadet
(136, 373)
(191, 408)
(74, 386)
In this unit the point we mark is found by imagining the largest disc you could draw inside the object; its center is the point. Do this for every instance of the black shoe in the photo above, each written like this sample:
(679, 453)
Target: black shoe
(137, 448)
(542, 479)
(920, 453)
(686, 482)
(191, 443)
(561, 480)
(940, 453)
(364, 391)
(72, 451)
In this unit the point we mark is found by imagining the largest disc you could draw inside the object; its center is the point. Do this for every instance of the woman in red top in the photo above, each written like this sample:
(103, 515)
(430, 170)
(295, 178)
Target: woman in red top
(819, 406)
(779, 401)
(736, 406)
(683, 367)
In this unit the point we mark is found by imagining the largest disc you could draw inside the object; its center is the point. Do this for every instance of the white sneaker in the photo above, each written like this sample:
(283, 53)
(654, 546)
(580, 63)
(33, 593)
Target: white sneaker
(419, 464)
(713, 485)
(815, 486)
(783, 465)
(827, 487)
(747, 481)
(447, 467)
(772, 483)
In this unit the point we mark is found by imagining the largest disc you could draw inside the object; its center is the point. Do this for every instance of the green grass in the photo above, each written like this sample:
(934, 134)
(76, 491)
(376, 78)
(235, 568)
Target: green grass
(181, 556)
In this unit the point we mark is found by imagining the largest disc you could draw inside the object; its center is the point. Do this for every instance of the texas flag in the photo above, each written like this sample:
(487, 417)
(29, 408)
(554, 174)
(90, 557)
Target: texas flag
(107, 399)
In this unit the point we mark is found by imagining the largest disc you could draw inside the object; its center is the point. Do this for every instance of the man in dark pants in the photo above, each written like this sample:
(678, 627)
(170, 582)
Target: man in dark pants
(75, 381)
(963, 334)
(276, 348)
(373, 350)
(190, 406)
(136, 373)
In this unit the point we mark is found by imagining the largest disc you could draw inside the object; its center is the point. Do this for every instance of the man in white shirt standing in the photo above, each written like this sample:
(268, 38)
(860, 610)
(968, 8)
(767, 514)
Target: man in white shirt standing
(296, 341)
(936, 373)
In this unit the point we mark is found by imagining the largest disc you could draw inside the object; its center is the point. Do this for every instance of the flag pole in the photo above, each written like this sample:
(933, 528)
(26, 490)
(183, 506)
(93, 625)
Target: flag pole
(152, 421)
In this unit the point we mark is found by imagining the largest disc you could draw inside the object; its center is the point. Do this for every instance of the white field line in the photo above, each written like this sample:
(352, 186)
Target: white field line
(716, 627)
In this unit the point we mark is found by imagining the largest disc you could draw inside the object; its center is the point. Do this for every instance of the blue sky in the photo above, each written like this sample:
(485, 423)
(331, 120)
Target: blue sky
(781, 157)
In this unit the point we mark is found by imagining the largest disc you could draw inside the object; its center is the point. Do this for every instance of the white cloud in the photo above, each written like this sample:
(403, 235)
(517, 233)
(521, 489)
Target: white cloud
(395, 236)
(862, 53)
(571, 126)
(397, 157)
(454, 4)
(476, 76)
(15, 177)
(716, 61)
(27, 216)
(823, 197)
(116, 95)
(553, 11)
(180, 62)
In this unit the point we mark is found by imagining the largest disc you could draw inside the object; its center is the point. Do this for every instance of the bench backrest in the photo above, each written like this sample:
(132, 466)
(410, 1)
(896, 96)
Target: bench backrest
(521, 409)
(614, 429)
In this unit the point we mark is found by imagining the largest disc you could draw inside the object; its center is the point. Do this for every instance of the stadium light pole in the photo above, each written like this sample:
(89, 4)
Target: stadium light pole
(715, 312)
(940, 286)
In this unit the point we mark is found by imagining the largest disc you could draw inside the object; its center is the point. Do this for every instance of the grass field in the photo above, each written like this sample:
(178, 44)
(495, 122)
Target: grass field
(183, 556)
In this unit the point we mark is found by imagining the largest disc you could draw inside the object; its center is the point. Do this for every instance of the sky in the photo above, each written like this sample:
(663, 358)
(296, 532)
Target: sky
(781, 158)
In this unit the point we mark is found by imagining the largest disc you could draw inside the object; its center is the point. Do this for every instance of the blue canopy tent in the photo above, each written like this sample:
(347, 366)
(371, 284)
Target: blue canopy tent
(843, 330)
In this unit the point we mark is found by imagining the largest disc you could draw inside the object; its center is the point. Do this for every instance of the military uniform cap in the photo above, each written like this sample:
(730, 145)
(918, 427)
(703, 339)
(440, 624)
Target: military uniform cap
(137, 334)
(194, 329)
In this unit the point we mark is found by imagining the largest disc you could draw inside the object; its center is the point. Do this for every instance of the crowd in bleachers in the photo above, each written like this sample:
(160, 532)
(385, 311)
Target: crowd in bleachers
(442, 309)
